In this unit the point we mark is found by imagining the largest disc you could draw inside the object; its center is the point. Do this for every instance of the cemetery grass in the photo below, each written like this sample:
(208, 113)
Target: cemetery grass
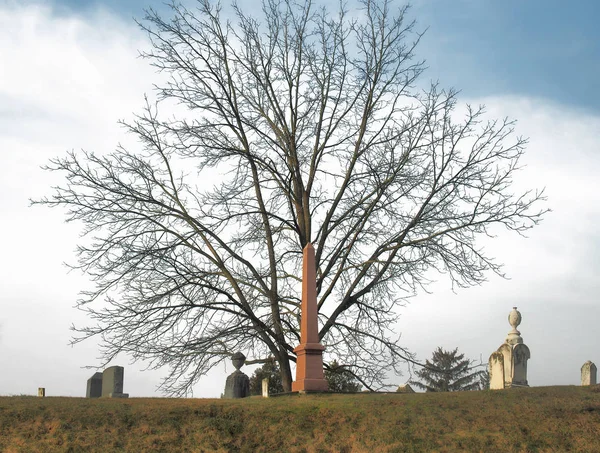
(540, 419)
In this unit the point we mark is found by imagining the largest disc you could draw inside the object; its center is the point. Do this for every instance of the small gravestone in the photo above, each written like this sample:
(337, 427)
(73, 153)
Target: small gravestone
(265, 387)
(112, 382)
(237, 384)
(94, 386)
(41, 392)
(588, 373)
(496, 368)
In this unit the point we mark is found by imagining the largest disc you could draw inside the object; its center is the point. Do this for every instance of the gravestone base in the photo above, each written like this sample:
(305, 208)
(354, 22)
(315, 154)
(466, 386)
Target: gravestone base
(118, 395)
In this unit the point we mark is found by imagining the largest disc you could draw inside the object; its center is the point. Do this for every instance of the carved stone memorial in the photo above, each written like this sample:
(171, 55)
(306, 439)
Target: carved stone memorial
(265, 387)
(309, 362)
(508, 365)
(588, 373)
(112, 382)
(237, 384)
(94, 386)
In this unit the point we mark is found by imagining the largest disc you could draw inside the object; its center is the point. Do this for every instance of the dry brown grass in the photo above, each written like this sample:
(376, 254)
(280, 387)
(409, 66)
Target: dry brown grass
(542, 419)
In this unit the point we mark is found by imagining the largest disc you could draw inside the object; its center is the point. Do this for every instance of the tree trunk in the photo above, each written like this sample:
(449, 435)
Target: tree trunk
(286, 372)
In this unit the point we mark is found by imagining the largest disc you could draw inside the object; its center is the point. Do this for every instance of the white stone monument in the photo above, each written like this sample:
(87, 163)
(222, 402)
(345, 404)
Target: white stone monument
(588, 373)
(508, 365)
(265, 387)
(496, 369)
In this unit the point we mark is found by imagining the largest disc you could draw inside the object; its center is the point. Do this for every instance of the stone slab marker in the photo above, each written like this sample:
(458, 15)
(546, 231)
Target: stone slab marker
(94, 386)
(41, 392)
(506, 351)
(309, 362)
(496, 368)
(588, 373)
(112, 382)
(265, 387)
(521, 355)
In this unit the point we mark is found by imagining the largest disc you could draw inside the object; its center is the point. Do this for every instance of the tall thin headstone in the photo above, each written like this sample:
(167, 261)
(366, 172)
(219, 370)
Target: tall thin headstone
(588, 373)
(309, 354)
(41, 392)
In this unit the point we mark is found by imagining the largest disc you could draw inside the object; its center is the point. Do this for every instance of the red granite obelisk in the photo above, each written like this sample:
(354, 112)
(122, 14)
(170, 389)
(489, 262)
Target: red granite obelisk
(309, 363)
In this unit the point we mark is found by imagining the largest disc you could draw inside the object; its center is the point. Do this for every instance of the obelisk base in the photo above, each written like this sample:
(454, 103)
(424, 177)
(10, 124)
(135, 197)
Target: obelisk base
(309, 369)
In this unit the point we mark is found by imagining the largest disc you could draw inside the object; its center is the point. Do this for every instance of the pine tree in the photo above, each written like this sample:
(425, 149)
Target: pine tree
(339, 379)
(448, 371)
(268, 370)
(484, 380)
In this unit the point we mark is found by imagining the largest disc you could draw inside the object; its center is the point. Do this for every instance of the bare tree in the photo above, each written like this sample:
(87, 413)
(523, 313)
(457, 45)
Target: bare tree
(316, 127)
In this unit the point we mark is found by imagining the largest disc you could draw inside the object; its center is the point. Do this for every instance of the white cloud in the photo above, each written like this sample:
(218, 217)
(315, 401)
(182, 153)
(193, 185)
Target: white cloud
(65, 80)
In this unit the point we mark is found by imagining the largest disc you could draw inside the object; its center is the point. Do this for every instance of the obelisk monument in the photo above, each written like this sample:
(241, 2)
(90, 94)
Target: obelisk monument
(309, 363)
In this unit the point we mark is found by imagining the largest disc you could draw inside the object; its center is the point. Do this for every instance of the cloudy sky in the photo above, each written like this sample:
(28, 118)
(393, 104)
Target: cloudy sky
(68, 72)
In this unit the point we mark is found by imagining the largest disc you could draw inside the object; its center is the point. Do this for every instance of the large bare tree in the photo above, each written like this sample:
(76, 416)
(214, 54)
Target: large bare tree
(319, 132)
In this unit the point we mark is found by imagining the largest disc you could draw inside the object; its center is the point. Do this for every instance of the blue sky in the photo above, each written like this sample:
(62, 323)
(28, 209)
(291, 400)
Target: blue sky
(542, 48)
(69, 71)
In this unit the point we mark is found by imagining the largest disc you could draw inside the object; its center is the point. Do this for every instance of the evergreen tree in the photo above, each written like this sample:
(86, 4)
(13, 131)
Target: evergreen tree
(484, 380)
(268, 370)
(340, 379)
(448, 371)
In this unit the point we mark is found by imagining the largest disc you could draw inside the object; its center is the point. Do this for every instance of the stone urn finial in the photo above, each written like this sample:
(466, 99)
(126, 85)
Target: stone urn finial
(514, 319)
(238, 360)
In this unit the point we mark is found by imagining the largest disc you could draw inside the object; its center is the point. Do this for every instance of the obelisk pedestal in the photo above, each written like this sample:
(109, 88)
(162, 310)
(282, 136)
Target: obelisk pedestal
(309, 362)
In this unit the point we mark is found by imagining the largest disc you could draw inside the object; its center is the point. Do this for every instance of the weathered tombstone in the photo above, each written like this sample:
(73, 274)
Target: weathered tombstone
(237, 384)
(506, 351)
(309, 353)
(41, 392)
(521, 355)
(515, 354)
(265, 387)
(588, 373)
(112, 382)
(496, 368)
(94, 386)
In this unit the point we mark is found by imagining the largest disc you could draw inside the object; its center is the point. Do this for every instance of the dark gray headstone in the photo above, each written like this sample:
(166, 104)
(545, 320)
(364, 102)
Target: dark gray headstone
(94, 386)
(112, 382)
(237, 384)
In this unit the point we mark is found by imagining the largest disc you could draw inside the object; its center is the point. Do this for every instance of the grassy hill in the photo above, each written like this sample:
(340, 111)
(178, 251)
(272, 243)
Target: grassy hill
(541, 419)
